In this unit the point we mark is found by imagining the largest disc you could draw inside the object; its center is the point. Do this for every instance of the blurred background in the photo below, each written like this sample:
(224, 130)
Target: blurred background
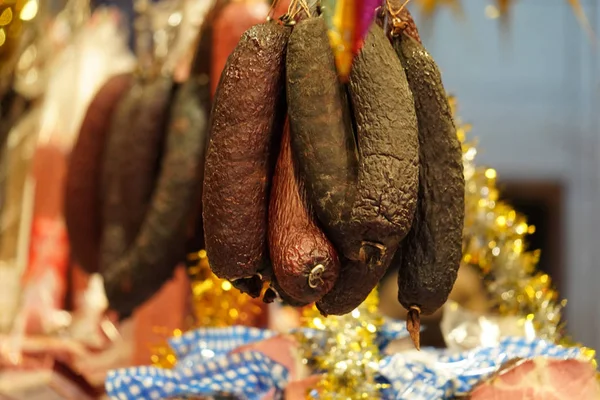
(531, 93)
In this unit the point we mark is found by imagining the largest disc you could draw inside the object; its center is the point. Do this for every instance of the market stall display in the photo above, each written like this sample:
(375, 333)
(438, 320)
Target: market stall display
(345, 354)
(290, 154)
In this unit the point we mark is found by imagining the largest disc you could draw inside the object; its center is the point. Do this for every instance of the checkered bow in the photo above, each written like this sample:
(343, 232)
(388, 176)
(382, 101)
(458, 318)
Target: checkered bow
(207, 367)
(441, 375)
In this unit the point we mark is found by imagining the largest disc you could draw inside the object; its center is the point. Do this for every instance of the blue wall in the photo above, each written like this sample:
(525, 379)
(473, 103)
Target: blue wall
(532, 97)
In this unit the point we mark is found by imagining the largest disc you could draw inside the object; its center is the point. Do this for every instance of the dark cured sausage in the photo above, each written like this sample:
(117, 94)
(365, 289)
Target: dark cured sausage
(430, 255)
(383, 108)
(322, 139)
(82, 198)
(221, 31)
(305, 263)
(160, 243)
(246, 121)
(386, 188)
(131, 166)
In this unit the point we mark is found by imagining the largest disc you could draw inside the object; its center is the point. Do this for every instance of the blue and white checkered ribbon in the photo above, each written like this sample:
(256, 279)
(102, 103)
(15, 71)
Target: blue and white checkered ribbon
(391, 330)
(207, 367)
(247, 375)
(216, 341)
(440, 375)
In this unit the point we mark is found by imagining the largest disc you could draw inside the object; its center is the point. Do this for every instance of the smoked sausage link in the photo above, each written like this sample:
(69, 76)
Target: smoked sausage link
(305, 263)
(247, 119)
(430, 255)
(386, 188)
(160, 243)
(82, 199)
(322, 139)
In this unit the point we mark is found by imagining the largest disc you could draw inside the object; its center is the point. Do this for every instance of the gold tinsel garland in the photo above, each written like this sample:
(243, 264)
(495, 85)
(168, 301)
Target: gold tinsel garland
(495, 241)
(348, 354)
(215, 303)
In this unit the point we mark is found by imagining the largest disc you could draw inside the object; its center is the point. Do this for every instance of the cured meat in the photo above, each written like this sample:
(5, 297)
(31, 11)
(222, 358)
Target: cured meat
(541, 379)
(82, 197)
(159, 245)
(247, 118)
(387, 138)
(321, 136)
(386, 188)
(133, 154)
(304, 261)
(430, 255)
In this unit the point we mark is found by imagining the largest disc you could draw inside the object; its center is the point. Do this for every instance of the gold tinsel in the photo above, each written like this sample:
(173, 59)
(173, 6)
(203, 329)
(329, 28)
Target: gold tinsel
(348, 356)
(495, 241)
(215, 303)
(13, 15)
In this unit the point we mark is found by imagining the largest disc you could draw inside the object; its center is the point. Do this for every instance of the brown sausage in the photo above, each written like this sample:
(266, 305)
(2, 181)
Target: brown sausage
(132, 161)
(386, 189)
(160, 243)
(321, 132)
(247, 119)
(82, 197)
(305, 263)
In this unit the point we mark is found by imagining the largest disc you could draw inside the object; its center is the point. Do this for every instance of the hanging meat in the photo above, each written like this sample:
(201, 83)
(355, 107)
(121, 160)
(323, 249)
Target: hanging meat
(246, 122)
(82, 198)
(363, 189)
(305, 264)
(431, 253)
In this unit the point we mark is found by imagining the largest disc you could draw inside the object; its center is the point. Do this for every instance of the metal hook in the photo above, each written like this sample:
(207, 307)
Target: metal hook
(314, 278)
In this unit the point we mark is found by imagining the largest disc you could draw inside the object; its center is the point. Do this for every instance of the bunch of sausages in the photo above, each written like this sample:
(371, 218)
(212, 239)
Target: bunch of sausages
(134, 180)
(299, 186)
(318, 187)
